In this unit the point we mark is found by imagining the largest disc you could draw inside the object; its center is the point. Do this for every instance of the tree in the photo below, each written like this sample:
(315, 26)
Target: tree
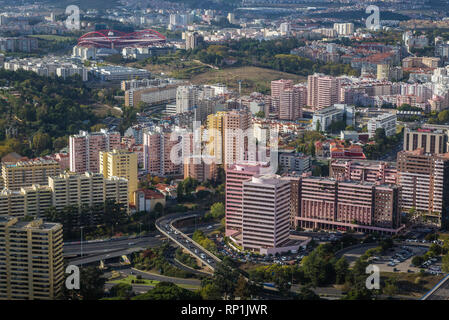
(318, 266)
(443, 116)
(260, 114)
(217, 211)
(91, 286)
(445, 263)
(167, 291)
(122, 290)
(211, 291)
(390, 287)
(41, 142)
(159, 209)
(242, 289)
(307, 294)
(418, 260)
(341, 270)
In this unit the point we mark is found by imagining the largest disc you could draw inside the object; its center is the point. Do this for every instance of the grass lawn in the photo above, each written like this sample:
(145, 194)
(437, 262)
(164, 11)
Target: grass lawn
(147, 282)
(52, 37)
(412, 284)
(253, 78)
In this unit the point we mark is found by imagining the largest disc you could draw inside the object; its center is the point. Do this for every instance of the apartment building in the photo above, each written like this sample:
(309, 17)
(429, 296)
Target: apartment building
(433, 141)
(323, 118)
(291, 102)
(386, 121)
(31, 260)
(344, 29)
(153, 95)
(122, 164)
(322, 91)
(227, 141)
(26, 173)
(186, 98)
(266, 213)
(420, 62)
(84, 149)
(349, 205)
(87, 189)
(369, 171)
(215, 130)
(197, 168)
(18, 44)
(28, 201)
(158, 146)
(295, 162)
(236, 144)
(424, 179)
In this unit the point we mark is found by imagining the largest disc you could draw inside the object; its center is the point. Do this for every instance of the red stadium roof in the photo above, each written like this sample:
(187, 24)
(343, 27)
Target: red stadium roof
(118, 39)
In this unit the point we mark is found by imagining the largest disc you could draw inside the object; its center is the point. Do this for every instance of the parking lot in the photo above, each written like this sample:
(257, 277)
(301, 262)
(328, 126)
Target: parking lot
(398, 259)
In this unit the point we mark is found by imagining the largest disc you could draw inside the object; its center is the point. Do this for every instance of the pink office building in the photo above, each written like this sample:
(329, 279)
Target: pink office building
(370, 171)
(266, 213)
(236, 175)
(84, 149)
(359, 206)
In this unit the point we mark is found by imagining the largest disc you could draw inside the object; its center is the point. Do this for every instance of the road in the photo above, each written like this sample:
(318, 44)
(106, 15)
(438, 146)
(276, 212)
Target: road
(101, 247)
(165, 226)
(439, 292)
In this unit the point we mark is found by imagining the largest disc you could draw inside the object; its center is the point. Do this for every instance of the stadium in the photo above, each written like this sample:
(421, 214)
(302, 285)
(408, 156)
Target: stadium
(113, 39)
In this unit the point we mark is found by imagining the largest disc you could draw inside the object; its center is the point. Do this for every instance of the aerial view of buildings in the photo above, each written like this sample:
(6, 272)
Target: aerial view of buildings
(224, 150)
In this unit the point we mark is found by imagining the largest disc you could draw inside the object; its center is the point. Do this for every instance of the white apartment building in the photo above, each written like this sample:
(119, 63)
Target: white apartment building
(87, 189)
(344, 29)
(186, 98)
(387, 121)
(295, 162)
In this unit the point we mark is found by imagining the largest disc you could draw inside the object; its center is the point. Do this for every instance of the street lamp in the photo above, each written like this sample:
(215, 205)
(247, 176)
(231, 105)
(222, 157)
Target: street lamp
(81, 243)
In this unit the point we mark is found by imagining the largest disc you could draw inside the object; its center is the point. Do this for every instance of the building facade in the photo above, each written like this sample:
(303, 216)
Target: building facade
(31, 260)
(84, 149)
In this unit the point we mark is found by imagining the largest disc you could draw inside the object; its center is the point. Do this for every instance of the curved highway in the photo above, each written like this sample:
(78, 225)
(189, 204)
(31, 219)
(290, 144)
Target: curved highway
(165, 226)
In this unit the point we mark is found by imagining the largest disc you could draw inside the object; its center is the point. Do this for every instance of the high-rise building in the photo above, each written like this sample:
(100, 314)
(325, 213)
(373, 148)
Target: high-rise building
(195, 167)
(236, 144)
(424, 179)
(87, 189)
(266, 213)
(31, 261)
(290, 103)
(215, 131)
(277, 86)
(235, 176)
(186, 98)
(158, 147)
(344, 29)
(192, 40)
(226, 133)
(122, 164)
(26, 173)
(84, 149)
(322, 91)
(433, 141)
